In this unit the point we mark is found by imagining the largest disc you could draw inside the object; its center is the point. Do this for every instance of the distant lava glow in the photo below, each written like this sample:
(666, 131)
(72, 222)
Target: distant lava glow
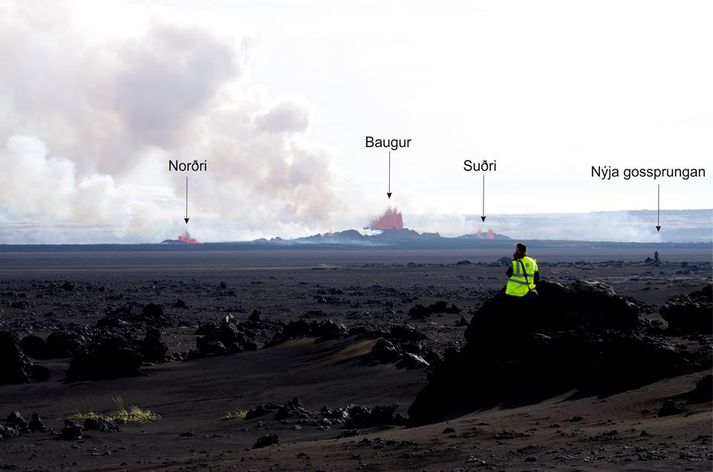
(490, 234)
(391, 219)
(186, 238)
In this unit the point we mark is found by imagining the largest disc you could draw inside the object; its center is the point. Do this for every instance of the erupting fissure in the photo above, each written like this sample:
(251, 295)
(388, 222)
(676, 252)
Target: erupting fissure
(186, 238)
(490, 234)
(391, 219)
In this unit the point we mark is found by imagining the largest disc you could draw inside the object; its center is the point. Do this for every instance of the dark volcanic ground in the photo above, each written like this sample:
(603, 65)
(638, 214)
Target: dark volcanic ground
(44, 292)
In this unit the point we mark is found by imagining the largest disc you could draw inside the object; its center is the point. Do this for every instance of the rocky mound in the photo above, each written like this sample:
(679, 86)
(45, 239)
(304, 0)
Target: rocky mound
(522, 350)
(16, 426)
(152, 314)
(350, 417)
(420, 312)
(230, 336)
(108, 357)
(322, 330)
(111, 355)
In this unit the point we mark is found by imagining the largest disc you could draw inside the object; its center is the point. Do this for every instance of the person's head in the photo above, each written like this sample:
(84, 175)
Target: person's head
(520, 251)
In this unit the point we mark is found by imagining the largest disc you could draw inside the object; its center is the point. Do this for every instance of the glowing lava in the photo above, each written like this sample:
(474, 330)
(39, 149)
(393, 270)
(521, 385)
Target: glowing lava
(391, 219)
(187, 239)
(490, 234)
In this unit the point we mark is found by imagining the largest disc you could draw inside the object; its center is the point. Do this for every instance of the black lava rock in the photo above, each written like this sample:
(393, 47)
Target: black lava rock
(101, 424)
(8, 432)
(71, 431)
(228, 337)
(690, 313)
(108, 357)
(15, 420)
(703, 391)
(323, 330)
(34, 346)
(384, 352)
(420, 312)
(152, 348)
(404, 333)
(267, 440)
(153, 314)
(256, 412)
(524, 350)
(15, 367)
(36, 425)
(64, 344)
(68, 286)
(671, 407)
(291, 409)
(365, 417)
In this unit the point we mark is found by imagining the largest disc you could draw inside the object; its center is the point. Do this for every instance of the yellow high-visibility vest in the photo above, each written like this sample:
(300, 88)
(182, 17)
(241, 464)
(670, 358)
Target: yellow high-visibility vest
(518, 284)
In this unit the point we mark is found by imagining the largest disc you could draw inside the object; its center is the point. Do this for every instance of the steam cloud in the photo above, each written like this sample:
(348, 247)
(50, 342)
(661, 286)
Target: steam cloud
(87, 128)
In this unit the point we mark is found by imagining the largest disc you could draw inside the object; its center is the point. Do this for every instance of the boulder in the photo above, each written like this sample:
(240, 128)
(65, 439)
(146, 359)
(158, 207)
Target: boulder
(411, 361)
(152, 348)
(420, 312)
(206, 346)
(8, 432)
(107, 357)
(671, 407)
(384, 352)
(267, 440)
(256, 412)
(64, 344)
(703, 391)
(365, 417)
(68, 286)
(153, 314)
(291, 409)
(36, 425)
(15, 420)
(323, 330)
(582, 305)
(690, 313)
(405, 333)
(71, 431)
(15, 367)
(227, 337)
(101, 424)
(34, 346)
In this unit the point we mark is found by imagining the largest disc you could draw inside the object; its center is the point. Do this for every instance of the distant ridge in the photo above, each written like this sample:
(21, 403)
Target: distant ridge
(394, 238)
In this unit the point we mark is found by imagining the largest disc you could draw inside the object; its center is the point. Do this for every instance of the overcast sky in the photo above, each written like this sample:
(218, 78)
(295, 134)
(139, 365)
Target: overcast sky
(277, 96)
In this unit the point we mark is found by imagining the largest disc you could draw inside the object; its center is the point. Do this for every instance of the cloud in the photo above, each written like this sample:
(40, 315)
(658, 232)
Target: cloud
(116, 110)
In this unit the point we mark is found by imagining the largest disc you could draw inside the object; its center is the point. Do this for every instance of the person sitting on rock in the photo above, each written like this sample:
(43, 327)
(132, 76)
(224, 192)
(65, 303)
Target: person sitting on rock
(523, 273)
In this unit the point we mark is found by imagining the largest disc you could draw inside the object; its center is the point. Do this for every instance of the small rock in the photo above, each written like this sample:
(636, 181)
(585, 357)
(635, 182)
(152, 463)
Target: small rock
(671, 407)
(36, 425)
(703, 391)
(267, 440)
(15, 420)
(101, 424)
(71, 431)
(8, 432)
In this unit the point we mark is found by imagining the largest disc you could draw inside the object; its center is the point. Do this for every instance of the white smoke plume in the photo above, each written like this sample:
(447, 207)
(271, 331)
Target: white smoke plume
(87, 127)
